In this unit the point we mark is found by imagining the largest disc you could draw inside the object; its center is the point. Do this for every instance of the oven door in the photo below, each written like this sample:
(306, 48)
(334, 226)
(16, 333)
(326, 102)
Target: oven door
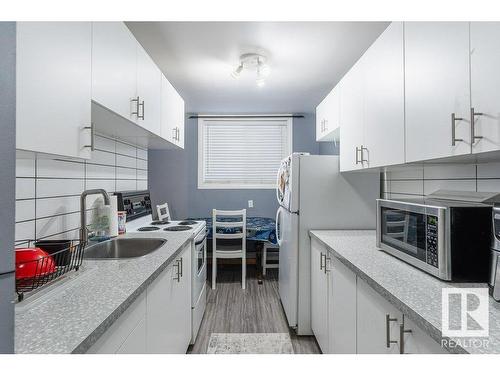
(199, 266)
(415, 234)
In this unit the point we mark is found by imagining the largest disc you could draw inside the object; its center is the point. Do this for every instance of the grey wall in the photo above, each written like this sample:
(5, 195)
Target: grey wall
(173, 177)
(7, 181)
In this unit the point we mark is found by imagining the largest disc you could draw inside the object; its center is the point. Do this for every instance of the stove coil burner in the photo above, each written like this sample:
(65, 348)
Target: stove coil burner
(187, 222)
(160, 222)
(148, 229)
(177, 228)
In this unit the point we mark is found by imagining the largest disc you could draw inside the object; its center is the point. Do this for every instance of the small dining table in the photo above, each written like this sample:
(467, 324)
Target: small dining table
(261, 229)
(258, 228)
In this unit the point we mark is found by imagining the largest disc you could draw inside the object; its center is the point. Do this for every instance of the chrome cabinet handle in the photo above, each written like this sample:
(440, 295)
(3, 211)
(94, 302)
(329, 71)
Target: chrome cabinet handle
(182, 267)
(178, 273)
(402, 332)
(174, 134)
(363, 160)
(136, 112)
(321, 261)
(92, 136)
(357, 151)
(454, 119)
(138, 106)
(388, 321)
(178, 133)
(473, 115)
(326, 269)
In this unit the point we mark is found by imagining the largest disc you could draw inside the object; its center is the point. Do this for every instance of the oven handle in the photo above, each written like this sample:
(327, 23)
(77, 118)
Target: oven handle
(201, 241)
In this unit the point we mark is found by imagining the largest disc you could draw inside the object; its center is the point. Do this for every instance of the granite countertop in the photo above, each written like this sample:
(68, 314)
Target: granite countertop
(414, 292)
(73, 313)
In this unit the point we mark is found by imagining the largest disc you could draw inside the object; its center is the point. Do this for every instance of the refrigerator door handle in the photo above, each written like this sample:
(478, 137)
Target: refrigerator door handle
(277, 225)
(278, 186)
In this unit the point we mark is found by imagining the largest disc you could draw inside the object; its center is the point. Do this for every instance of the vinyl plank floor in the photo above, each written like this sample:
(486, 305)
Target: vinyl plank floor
(254, 310)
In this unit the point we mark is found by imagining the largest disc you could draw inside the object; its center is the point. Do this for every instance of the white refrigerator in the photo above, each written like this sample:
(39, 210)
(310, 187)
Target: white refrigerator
(313, 194)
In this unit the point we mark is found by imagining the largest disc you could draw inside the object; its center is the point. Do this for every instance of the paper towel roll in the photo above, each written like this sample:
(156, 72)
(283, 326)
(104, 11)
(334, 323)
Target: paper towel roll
(113, 213)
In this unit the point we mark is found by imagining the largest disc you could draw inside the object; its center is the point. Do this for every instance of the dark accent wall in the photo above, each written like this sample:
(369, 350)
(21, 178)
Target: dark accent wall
(7, 181)
(173, 177)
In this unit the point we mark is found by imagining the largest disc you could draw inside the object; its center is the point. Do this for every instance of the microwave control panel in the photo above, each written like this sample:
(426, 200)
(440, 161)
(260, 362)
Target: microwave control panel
(432, 241)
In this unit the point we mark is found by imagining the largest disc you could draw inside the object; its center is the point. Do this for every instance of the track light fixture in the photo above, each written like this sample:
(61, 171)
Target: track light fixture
(254, 62)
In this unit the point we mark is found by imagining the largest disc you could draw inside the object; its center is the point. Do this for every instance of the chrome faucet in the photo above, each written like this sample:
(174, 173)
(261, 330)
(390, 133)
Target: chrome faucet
(83, 210)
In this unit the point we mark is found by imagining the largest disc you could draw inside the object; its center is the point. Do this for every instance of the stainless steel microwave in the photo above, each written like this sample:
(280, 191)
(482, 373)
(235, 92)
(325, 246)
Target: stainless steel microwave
(448, 239)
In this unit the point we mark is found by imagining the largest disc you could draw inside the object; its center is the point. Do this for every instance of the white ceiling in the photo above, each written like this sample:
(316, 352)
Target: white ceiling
(307, 59)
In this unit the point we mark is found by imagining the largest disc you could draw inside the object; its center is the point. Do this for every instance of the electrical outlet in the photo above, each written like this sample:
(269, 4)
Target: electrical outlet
(250, 203)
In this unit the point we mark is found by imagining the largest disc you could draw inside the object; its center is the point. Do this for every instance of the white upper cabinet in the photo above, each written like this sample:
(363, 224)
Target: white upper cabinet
(114, 68)
(53, 111)
(172, 114)
(328, 117)
(436, 88)
(352, 104)
(148, 92)
(384, 131)
(485, 81)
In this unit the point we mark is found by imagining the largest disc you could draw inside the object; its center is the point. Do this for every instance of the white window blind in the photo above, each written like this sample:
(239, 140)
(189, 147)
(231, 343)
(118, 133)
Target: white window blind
(242, 153)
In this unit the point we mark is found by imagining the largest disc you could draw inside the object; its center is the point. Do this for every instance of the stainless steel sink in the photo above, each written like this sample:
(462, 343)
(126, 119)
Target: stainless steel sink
(123, 248)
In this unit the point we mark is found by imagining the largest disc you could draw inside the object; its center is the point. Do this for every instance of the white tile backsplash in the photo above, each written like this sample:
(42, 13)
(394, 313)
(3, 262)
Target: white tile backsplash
(124, 149)
(59, 169)
(48, 190)
(126, 161)
(25, 188)
(448, 171)
(425, 179)
(25, 167)
(55, 187)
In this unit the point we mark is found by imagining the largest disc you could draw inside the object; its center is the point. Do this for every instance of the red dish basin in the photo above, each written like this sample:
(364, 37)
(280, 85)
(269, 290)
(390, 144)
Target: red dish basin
(31, 262)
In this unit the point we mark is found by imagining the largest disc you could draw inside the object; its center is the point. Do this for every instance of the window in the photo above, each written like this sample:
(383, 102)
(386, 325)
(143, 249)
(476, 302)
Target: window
(242, 153)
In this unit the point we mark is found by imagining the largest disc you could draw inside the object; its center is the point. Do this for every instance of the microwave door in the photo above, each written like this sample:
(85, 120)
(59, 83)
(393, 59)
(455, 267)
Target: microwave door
(404, 231)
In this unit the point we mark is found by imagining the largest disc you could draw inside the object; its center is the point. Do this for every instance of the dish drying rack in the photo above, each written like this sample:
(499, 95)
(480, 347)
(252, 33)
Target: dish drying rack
(63, 261)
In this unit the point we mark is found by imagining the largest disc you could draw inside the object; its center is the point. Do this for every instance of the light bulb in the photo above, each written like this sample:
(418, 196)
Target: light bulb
(236, 73)
(260, 81)
(264, 70)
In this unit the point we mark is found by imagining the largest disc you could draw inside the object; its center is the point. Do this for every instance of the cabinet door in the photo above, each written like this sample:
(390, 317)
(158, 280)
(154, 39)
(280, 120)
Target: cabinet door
(372, 326)
(320, 119)
(319, 295)
(384, 99)
(149, 92)
(341, 309)
(127, 333)
(114, 68)
(168, 317)
(352, 101)
(419, 342)
(53, 73)
(485, 80)
(180, 118)
(436, 86)
(167, 130)
(135, 343)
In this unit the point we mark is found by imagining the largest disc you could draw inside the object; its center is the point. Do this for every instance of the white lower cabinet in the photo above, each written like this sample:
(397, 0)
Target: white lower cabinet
(159, 320)
(342, 309)
(348, 316)
(127, 333)
(169, 308)
(377, 322)
(319, 295)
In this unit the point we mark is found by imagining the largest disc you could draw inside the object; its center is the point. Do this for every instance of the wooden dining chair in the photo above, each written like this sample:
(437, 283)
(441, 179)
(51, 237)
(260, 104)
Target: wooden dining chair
(231, 251)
